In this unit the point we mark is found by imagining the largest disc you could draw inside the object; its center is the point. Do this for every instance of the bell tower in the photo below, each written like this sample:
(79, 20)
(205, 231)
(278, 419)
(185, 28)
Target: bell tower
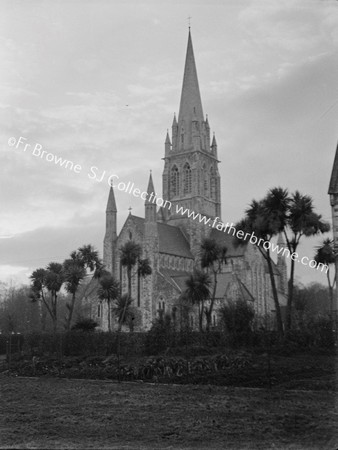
(190, 177)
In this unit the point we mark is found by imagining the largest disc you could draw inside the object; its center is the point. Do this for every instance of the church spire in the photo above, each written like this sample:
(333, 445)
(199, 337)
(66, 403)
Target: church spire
(150, 203)
(109, 243)
(150, 191)
(190, 174)
(191, 104)
(111, 204)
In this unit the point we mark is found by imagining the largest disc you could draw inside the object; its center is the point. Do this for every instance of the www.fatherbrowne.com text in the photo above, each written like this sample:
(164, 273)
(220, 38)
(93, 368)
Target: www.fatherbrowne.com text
(113, 180)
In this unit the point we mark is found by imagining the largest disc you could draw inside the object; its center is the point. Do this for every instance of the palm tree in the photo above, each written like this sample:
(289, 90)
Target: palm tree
(301, 221)
(197, 291)
(264, 220)
(52, 281)
(108, 290)
(213, 256)
(74, 273)
(130, 255)
(89, 257)
(143, 270)
(294, 216)
(75, 269)
(325, 255)
(38, 294)
(122, 310)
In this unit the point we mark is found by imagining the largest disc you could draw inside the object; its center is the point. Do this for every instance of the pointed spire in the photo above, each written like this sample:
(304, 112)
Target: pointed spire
(174, 121)
(150, 191)
(111, 204)
(167, 139)
(191, 103)
(214, 143)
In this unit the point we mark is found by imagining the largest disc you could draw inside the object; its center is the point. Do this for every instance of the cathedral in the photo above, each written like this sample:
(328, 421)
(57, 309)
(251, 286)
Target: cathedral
(171, 239)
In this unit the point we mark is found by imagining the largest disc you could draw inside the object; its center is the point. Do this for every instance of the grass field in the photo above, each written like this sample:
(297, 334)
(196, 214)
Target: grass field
(53, 413)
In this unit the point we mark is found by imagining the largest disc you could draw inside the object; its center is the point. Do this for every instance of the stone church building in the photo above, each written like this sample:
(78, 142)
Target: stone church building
(171, 240)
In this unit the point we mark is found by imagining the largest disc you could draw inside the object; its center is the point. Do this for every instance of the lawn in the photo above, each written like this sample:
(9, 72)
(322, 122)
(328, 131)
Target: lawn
(52, 413)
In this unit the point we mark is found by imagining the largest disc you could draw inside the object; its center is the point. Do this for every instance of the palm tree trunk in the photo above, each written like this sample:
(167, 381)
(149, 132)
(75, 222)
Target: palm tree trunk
(275, 294)
(70, 312)
(54, 300)
(330, 294)
(43, 316)
(290, 296)
(129, 281)
(108, 305)
(200, 316)
(212, 300)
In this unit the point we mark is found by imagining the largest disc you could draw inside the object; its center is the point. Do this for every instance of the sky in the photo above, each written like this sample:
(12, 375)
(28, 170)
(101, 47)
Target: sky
(98, 82)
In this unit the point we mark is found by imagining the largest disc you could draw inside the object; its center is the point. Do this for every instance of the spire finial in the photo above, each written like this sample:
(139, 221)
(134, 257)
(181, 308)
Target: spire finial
(129, 209)
(189, 22)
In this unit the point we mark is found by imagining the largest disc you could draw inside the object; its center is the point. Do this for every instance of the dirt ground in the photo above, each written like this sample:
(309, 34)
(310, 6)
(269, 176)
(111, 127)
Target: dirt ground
(53, 413)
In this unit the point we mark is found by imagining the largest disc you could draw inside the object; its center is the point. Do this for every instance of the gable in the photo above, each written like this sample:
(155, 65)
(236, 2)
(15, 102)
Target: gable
(171, 239)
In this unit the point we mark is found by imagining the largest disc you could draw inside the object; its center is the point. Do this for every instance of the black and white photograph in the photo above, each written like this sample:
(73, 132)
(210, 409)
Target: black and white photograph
(169, 224)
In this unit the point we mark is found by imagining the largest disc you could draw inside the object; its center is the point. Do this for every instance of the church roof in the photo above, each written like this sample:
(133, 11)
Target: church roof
(234, 250)
(172, 241)
(223, 282)
(176, 277)
(190, 104)
(333, 187)
(229, 241)
(171, 238)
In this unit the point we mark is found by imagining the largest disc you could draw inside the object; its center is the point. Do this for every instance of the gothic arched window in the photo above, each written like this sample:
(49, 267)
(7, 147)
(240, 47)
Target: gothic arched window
(175, 181)
(205, 179)
(212, 184)
(186, 179)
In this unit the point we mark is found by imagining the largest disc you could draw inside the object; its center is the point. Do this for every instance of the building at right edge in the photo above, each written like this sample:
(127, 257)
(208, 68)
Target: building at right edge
(333, 193)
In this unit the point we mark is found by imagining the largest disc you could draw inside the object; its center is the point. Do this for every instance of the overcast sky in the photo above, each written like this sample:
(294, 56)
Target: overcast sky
(98, 82)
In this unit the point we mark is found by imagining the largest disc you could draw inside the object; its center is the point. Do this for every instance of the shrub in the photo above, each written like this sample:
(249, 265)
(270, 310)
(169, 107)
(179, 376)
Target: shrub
(85, 324)
(237, 318)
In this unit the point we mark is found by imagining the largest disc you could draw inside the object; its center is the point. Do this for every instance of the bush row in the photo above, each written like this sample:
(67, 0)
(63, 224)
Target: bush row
(162, 369)
(318, 334)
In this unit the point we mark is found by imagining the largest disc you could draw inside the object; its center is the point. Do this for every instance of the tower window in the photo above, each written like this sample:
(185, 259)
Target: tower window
(182, 135)
(212, 184)
(175, 181)
(99, 310)
(205, 181)
(187, 178)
